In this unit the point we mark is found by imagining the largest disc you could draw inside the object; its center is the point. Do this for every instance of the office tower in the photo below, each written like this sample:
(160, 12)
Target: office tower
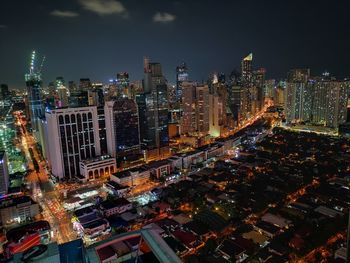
(298, 96)
(4, 173)
(95, 95)
(85, 84)
(34, 91)
(234, 94)
(79, 98)
(279, 96)
(102, 129)
(221, 78)
(4, 92)
(269, 88)
(247, 89)
(123, 85)
(188, 120)
(181, 76)
(59, 82)
(153, 108)
(329, 102)
(216, 115)
(122, 126)
(247, 69)
(74, 136)
(298, 75)
(259, 85)
(202, 108)
(72, 86)
(195, 108)
(62, 93)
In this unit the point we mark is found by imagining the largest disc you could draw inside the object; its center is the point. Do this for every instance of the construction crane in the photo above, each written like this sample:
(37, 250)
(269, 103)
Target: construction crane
(32, 64)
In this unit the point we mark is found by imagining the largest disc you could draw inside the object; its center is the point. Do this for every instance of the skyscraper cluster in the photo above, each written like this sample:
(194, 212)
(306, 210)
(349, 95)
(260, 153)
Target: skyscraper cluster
(315, 100)
(101, 126)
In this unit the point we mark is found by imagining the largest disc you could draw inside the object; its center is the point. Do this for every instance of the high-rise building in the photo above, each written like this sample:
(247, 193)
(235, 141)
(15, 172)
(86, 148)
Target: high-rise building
(329, 102)
(72, 86)
(216, 115)
(247, 87)
(181, 76)
(79, 98)
(123, 85)
(74, 136)
(247, 69)
(234, 90)
(320, 100)
(269, 90)
(96, 95)
(102, 129)
(62, 93)
(195, 108)
(4, 92)
(34, 91)
(85, 84)
(153, 108)
(298, 96)
(4, 173)
(122, 126)
(259, 85)
(279, 96)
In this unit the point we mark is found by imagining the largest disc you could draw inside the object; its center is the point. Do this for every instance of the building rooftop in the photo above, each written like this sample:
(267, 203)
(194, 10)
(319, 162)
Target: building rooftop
(116, 186)
(15, 201)
(109, 204)
(96, 159)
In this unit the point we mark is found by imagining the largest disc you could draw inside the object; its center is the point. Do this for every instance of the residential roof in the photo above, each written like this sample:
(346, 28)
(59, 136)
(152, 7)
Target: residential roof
(109, 204)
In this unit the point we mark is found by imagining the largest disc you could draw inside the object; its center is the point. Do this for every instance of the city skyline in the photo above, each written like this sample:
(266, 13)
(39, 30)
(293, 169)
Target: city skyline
(171, 32)
(174, 131)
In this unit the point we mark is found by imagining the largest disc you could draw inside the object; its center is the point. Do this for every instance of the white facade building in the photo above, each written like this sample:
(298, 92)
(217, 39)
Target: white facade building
(73, 135)
(97, 167)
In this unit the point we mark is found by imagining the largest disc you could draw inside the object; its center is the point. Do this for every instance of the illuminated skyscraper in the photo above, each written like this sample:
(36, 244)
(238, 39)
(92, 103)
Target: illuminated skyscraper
(298, 96)
(247, 69)
(123, 85)
(259, 85)
(153, 108)
(195, 108)
(85, 84)
(216, 115)
(122, 127)
(329, 102)
(181, 76)
(74, 136)
(247, 87)
(34, 92)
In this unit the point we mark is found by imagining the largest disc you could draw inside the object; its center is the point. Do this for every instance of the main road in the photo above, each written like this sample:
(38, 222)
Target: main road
(42, 189)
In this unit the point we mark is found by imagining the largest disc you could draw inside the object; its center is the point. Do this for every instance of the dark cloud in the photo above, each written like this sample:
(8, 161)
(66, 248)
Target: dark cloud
(163, 17)
(61, 13)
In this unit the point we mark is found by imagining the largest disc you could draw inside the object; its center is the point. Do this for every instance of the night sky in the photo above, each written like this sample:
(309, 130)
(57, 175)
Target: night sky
(98, 38)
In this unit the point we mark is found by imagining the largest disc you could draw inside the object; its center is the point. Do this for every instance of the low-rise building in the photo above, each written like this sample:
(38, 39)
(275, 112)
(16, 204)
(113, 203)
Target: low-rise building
(112, 207)
(132, 177)
(117, 189)
(97, 227)
(94, 168)
(18, 209)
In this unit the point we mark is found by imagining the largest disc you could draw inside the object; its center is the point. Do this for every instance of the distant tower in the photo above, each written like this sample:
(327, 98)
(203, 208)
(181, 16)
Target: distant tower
(247, 69)
(34, 91)
(181, 76)
(246, 79)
